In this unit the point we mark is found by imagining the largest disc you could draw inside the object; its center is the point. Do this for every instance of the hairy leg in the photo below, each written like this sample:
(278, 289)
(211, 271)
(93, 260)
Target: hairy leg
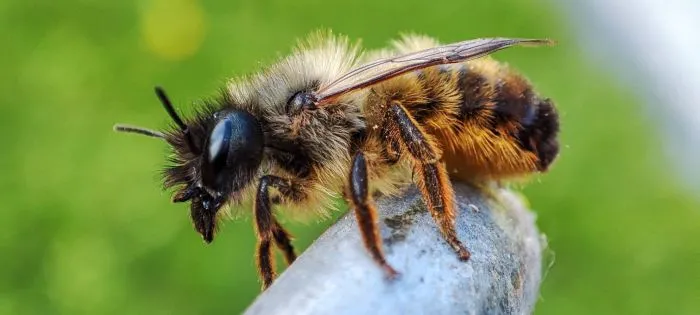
(432, 178)
(269, 230)
(365, 212)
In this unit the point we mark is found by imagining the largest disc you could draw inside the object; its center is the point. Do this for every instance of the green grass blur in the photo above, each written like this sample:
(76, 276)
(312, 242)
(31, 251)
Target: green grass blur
(85, 228)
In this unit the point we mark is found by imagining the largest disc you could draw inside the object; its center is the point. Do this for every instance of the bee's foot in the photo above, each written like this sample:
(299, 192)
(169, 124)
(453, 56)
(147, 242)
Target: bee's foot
(463, 254)
(390, 272)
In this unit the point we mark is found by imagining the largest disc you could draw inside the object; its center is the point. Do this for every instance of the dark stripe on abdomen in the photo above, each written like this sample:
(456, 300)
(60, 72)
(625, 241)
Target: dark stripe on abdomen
(514, 101)
(475, 92)
(436, 83)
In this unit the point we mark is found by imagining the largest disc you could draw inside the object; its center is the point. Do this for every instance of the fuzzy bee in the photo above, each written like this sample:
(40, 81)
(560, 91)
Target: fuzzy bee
(329, 121)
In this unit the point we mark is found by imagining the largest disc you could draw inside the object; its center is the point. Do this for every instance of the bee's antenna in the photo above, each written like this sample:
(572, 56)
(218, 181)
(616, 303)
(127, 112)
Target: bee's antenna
(173, 114)
(169, 108)
(139, 130)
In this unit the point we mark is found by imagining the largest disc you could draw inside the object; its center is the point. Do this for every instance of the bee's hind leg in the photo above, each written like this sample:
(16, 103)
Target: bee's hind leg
(431, 175)
(268, 229)
(366, 213)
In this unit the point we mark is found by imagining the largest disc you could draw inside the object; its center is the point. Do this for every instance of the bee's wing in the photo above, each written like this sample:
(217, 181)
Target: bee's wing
(387, 68)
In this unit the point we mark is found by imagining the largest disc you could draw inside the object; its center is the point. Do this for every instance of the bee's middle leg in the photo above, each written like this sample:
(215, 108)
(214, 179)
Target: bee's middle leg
(432, 178)
(268, 229)
(366, 213)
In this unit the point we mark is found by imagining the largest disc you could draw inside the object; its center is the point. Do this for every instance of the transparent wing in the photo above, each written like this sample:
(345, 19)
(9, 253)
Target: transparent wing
(387, 68)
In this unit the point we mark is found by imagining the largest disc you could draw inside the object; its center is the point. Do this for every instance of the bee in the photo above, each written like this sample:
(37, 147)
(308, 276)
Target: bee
(329, 121)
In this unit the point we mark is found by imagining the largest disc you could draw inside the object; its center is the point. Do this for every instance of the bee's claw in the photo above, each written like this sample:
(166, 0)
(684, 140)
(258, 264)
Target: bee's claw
(391, 273)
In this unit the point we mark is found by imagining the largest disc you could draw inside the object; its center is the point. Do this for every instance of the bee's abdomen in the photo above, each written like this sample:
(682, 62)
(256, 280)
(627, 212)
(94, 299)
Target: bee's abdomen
(539, 134)
(485, 118)
(499, 126)
(519, 112)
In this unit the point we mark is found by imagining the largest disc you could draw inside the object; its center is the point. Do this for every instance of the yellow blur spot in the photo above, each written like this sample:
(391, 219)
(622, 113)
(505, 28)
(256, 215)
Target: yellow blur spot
(172, 29)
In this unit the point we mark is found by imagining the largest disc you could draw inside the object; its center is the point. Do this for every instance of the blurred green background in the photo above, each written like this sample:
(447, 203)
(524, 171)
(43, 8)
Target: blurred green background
(85, 228)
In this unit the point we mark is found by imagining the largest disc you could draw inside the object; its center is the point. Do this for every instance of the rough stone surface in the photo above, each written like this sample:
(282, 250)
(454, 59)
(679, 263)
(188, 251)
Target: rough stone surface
(336, 275)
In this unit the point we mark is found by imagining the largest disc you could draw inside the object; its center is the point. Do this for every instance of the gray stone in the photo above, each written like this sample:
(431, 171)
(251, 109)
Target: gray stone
(336, 275)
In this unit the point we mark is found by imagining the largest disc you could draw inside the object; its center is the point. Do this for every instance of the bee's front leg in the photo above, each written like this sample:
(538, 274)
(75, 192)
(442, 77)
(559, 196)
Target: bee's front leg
(365, 212)
(268, 229)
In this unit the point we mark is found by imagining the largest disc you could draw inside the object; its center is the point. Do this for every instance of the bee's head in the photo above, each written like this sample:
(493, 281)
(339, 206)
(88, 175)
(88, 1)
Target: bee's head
(216, 155)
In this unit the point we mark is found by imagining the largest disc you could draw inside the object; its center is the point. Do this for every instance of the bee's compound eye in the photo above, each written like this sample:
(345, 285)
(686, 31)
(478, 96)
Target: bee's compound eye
(301, 100)
(233, 152)
(219, 140)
